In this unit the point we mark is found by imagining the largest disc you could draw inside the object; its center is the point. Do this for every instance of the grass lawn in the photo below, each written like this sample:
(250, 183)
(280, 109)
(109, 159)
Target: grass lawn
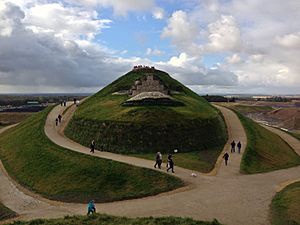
(60, 174)
(265, 151)
(202, 161)
(285, 207)
(6, 213)
(98, 219)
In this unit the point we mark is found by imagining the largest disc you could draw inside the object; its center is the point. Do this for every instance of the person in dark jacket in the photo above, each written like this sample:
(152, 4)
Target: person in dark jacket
(56, 121)
(226, 157)
(92, 147)
(232, 146)
(170, 164)
(59, 118)
(158, 160)
(239, 146)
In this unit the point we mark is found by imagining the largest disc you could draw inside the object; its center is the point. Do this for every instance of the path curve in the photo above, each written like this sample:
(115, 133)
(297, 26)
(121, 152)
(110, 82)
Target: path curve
(230, 197)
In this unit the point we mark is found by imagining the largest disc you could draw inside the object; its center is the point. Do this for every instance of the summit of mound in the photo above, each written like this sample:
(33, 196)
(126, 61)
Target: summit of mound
(152, 125)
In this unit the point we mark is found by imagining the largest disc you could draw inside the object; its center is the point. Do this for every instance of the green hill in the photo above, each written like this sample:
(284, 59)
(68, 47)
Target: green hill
(60, 174)
(192, 125)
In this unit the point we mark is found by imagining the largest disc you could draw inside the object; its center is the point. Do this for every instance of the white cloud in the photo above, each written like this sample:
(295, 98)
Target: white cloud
(235, 58)
(120, 8)
(155, 52)
(181, 31)
(289, 40)
(66, 22)
(224, 35)
(158, 13)
(29, 59)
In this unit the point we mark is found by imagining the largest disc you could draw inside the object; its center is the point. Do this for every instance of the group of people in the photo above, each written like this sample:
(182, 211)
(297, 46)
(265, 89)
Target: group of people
(58, 119)
(158, 162)
(232, 150)
(63, 103)
(76, 102)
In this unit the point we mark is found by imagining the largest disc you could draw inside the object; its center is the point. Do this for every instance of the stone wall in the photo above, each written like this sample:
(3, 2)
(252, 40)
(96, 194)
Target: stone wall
(148, 84)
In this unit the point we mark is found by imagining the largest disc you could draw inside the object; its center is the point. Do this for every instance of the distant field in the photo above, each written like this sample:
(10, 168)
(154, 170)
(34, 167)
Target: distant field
(61, 174)
(12, 118)
(251, 108)
(265, 151)
(202, 161)
(6, 213)
(285, 207)
(98, 219)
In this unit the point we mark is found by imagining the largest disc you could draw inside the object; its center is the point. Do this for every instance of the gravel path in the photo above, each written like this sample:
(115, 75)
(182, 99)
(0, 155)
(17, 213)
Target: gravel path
(224, 194)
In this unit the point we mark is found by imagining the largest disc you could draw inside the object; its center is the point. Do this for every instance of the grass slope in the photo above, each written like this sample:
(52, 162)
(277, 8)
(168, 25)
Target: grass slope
(6, 213)
(285, 206)
(60, 174)
(195, 126)
(98, 219)
(265, 150)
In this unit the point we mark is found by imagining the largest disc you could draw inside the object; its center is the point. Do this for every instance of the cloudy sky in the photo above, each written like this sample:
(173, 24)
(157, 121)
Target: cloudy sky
(213, 46)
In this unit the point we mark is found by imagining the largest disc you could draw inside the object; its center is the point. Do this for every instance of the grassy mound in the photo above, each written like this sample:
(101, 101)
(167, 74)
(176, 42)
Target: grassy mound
(265, 150)
(6, 213)
(98, 219)
(57, 173)
(193, 126)
(285, 206)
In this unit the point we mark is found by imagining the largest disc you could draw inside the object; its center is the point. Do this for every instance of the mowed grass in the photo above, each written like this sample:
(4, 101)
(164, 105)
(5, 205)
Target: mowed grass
(98, 219)
(57, 173)
(285, 207)
(265, 151)
(6, 213)
(202, 161)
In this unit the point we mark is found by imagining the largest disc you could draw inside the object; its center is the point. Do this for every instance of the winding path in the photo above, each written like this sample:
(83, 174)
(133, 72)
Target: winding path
(223, 194)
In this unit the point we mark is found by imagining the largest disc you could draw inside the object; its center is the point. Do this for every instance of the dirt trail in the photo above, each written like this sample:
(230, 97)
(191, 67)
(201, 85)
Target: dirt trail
(230, 197)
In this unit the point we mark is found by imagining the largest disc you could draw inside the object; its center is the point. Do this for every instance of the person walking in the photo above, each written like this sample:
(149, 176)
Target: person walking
(158, 159)
(59, 118)
(65, 103)
(170, 164)
(56, 121)
(239, 146)
(226, 157)
(232, 146)
(92, 147)
(61, 103)
(91, 207)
